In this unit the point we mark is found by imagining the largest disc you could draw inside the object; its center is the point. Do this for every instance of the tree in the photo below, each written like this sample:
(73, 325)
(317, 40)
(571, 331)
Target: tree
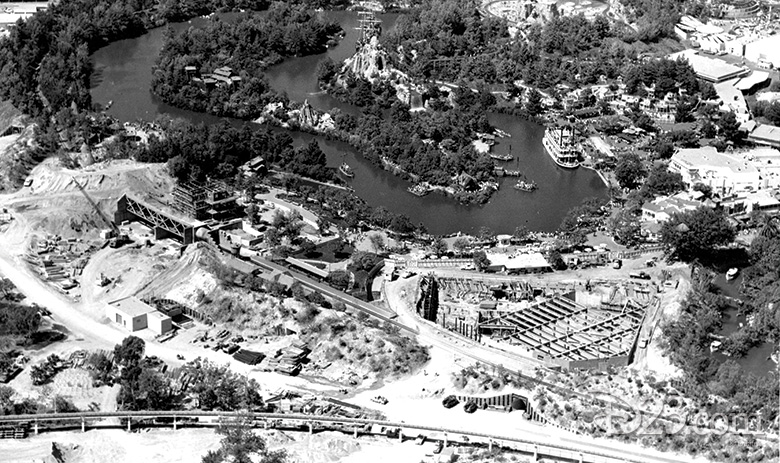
(481, 261)
(521, 233)
(339, 279)
(629, 171)
(729, 127)
(695, 234)
(461, 244)
(662, 182)
(533, 104)
(556, 260)
(377, 242)
(705, 189)
(485, 233)
(252, 213)
(440, 247)
(625, 228)
(130, 352)
(240, 444)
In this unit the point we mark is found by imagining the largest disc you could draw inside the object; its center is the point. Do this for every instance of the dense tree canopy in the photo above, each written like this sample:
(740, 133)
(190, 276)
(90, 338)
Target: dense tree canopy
(629, 171)
(50, 50)
(692, 235)
(247, 46)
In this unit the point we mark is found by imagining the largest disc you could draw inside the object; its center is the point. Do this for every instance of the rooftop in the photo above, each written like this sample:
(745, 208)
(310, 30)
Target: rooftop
(519, 261)
(714, 70)
(132, 306)
(766, 132)
(708, 158)
(158, 315)
(755, 78)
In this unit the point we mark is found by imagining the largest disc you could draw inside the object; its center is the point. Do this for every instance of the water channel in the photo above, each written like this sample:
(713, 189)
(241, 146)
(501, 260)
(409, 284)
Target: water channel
(757, 360)
(123, 72)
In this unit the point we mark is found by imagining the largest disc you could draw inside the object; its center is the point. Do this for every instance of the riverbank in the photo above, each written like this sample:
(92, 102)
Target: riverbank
(123, 72)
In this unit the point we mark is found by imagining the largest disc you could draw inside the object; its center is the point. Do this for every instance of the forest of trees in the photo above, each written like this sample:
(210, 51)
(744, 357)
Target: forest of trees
(50, 51)
(448, 40)
(195, 152)
(247, 46)
(451, 41)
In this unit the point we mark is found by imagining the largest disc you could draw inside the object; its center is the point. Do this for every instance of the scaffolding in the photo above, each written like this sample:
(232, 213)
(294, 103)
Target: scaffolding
(204, 202)
(369, 26)
(563, 329)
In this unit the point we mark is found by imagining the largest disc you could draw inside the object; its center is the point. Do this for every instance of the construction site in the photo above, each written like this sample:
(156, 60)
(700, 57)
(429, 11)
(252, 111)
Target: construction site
(565, 324)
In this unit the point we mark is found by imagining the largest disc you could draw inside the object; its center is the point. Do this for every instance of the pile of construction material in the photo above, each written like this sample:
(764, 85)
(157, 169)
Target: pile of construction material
(249, 357)
(59, 261)
(11, 370)
(289, 360)
(291, 402)
(16, 431)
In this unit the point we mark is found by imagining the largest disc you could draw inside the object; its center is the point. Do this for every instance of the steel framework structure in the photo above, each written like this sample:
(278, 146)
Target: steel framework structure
(155, 218)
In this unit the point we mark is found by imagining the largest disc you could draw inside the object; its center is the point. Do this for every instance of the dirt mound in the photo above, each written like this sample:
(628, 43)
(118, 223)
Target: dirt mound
(323, 448)
(64, 453)
(186, 279)
(53, 204)
(139, 179)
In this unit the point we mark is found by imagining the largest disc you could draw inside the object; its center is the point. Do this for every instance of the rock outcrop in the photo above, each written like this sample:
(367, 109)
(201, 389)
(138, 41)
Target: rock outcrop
(370, 62)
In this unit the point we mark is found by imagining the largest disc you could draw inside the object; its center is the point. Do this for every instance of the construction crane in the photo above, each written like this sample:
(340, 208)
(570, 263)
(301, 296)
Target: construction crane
(117, 238)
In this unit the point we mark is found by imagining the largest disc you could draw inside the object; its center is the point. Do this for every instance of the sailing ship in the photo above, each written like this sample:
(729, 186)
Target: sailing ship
(559, 144)
(346, 170)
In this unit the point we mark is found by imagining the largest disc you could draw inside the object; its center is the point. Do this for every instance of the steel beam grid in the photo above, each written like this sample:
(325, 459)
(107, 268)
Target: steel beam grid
(157, 218)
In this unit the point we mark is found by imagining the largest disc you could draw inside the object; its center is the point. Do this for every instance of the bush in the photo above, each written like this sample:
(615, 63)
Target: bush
(307, 314)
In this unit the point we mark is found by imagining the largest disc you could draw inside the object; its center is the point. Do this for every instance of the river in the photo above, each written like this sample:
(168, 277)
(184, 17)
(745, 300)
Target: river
(123, 73)
(757, 359)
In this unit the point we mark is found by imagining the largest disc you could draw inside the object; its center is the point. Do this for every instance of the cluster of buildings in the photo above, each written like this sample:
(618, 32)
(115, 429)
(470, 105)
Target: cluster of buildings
(751, 39)
(741, 182)
(223, 76)
(521, 12)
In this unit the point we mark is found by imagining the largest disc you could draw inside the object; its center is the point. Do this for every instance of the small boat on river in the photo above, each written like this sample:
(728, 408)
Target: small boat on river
(502, 157)
(419, 190)
(346, 170)
(522, 185)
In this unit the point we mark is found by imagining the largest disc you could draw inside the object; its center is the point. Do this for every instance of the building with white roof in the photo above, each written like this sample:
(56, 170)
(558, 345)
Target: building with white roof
(765, 50)
(731, 99)
(709, 69)
(725, 173)
(533, 262)
(767, 161)
(134, 315)
(765, 134)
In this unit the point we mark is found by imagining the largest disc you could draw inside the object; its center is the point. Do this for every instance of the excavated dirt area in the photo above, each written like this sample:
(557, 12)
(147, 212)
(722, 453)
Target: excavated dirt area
(52, 204)
(189, 445)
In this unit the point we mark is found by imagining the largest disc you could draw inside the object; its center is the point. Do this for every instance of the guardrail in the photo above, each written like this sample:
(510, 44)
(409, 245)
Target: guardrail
(528, 446)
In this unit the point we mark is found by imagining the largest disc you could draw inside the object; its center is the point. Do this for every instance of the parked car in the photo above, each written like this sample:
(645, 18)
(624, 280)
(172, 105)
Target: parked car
(450, 401)
(470, 407)
(640, 275)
